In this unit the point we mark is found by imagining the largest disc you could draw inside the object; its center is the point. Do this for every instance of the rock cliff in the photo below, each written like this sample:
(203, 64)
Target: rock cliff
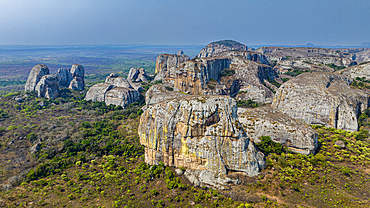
(201, 134)
(249, 55)
(166, 61)
(35, 76)
(48, 87)
(160, 92)
(221, 46)
(78, 77)
(266, 121)
(322, 98)
(64, 77)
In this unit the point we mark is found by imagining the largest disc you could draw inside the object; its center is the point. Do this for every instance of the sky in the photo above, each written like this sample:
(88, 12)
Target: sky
(184, 22)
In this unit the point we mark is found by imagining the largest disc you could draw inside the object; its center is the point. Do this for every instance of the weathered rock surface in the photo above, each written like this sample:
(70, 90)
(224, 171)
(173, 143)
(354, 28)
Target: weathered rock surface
(137, 75)
(64, 77)
(298, 52)
(166, 61)
(97, 92)
(225, 76)
(160, 92)
(201, 134)
(115, 90)
(78, 75)
(35, 76)
(121, 96)
(322, 98)
(221, 46)
(307, 62)
(48, 87)
(266, 121)
(362, 70)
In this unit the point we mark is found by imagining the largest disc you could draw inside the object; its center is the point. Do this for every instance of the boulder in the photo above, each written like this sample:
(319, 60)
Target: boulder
(166, 61)
(97, 92)
(117, 81)
(48, 87)
(322, 98)
(160, 92)
(121, 96)
(201, 134)
(137, 75)
(340, 144)
(137, 86)
(35, 76)
(221, 46)
(266, 121)
(64, 77)
(78, 75)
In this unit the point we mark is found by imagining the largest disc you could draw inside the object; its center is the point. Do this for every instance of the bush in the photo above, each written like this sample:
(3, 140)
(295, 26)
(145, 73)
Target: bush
(32, 137)
(267, 146)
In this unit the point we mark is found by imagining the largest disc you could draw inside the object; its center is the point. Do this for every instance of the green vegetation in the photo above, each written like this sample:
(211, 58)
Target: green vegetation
(227, 73)
(296, 72)
(229, 43)
(267, 146)
(335, 67)
(360, 82)
(247, 104)
(284, 79)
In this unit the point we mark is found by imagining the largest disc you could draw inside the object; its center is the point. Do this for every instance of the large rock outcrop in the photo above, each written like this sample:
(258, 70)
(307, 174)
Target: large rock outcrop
(221, 46)
(166, 61)
(201, 134)
(362, 70)
(137, 75)
(322, 98)
(115, 90)
(249, 55)
(78, 77)
(35, 76)
(64, 77)
(48, 87)
(266, 121)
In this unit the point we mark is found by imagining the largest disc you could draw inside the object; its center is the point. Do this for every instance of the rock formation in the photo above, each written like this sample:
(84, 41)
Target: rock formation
(137, 75)
(266, 121)
(78, 77)
(362, 70)
(249, 55)
(322, 98)
(35, 76)
(221, 46)
(201, 134)
(97, 92)
(72, 78)
(225, 76)
(48, 87)
(115, 90)
(165, 61)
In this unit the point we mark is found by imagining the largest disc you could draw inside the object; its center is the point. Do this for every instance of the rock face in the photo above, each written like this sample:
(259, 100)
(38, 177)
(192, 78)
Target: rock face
(221, 46)
(160, 92)
(64, 77)
(201, 134)
(48, 87)
(35, 76)
(97, 92)
(78, 77)
(362, 70)
(121, 96)
(322, 98)
(307, 62)
(166, 61)
(249, 55)
(266, 121)
(137, 75)
(116, 91)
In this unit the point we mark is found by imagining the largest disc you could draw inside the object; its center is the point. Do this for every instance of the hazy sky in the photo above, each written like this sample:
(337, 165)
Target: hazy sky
(180, 22)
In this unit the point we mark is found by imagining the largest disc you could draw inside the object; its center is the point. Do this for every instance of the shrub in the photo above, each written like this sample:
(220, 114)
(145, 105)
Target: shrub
(267, 146)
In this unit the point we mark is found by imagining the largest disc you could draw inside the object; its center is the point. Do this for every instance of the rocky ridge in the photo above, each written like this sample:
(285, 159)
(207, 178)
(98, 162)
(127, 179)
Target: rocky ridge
(362, 70)
(221, 46)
